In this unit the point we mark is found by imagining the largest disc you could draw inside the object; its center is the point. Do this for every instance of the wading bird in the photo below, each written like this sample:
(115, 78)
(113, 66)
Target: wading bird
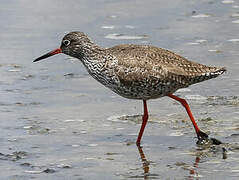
(138, 72)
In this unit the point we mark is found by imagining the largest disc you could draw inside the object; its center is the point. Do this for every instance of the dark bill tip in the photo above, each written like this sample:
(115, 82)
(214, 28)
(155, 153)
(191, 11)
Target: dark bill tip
(56, 51)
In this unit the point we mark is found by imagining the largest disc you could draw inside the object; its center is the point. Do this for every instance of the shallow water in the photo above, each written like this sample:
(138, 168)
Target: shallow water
(59, 123)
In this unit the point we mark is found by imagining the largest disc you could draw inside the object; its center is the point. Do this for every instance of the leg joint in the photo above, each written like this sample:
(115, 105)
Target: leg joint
(183, 102)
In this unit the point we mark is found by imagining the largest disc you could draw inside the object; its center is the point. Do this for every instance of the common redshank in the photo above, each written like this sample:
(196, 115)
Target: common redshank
(138, 72)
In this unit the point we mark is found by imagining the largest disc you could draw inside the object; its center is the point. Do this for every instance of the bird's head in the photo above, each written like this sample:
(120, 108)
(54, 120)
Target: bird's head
(73, 44)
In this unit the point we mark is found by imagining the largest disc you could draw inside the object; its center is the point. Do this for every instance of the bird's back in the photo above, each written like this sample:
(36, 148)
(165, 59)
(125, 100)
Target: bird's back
(161, 70)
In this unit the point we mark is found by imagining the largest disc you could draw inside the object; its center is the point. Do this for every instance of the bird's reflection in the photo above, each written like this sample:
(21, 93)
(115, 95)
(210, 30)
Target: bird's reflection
(145, 162)
(193, 171)
(146, 166)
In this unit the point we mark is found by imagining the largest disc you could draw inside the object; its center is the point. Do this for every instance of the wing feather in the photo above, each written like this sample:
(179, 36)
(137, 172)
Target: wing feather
(138, 63)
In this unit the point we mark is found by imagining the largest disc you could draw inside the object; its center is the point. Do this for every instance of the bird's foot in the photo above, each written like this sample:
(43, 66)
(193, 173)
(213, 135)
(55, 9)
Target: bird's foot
(204, 139)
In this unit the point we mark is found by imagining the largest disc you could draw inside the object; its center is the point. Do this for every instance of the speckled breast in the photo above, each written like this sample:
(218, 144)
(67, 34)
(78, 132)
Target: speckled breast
(142, 90)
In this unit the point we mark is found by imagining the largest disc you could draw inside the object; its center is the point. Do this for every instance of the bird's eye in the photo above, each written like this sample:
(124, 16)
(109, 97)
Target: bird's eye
(66, 42)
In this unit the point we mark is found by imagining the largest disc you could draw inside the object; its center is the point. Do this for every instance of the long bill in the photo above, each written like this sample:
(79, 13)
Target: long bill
(54, 52)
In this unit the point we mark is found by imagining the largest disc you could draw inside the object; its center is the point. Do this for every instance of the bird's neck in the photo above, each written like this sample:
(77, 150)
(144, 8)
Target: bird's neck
(92, 53)
(98, 62)
(92, 56)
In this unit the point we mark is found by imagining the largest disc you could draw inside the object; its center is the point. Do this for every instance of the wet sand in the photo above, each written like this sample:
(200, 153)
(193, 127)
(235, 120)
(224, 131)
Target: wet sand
(59, 123)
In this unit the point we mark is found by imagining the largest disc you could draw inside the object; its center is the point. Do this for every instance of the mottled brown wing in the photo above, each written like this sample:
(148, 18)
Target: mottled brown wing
(147, 63)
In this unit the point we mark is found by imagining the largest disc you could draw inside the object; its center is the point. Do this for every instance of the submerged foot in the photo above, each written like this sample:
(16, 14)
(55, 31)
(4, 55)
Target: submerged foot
(204, 139)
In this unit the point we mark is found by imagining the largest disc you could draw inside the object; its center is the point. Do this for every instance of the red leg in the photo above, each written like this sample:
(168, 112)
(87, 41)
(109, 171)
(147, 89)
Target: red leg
(200, 134)
(144, 122)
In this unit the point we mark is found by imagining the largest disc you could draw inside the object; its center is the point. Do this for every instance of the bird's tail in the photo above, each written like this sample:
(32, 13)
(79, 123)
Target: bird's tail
(212, 72)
